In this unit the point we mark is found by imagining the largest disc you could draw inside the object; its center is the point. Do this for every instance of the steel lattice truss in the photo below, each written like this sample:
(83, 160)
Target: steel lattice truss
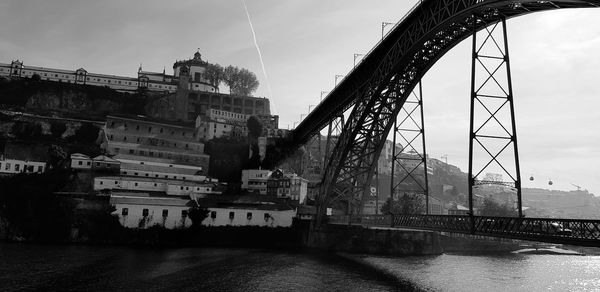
(409, 165)
(378, 87)
(493, 126)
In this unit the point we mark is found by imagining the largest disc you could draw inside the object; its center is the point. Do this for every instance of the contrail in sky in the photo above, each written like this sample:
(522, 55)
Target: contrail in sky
(258, 50)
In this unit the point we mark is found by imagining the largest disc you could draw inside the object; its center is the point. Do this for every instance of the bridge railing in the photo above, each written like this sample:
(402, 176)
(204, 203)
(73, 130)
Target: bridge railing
(576, 231)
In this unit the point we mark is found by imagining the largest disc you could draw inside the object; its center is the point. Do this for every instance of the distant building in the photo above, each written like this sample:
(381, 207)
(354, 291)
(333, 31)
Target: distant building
(219, 123)
(158, 186)
(457, 209)
(14, 166)
(23, 158)
(80, 161)
(436, 206)
(144, 167)
(247, 211)
(144, 211)
(103, 162)
(194, 69)
(287, 185)
(255, 180)
(168, 142)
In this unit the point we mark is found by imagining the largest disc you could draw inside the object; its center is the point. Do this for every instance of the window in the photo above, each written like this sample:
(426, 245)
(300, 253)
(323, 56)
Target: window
(145, 212)
(80, 163)
(17, 167)
(231, 215)
(40, 168)
(249, 216)
(7, 166)
(184, 213)
(116, 182)
(165, 213)
(125, 211)
(267, 216)
(131, 151)
(136, 184)
(88, 163)
(101, 182)
(213, 214)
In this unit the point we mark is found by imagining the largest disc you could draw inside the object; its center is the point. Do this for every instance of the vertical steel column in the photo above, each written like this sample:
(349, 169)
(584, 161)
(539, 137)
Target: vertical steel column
(514, 123)
(424, 149)
(490, 130)
(471, 124)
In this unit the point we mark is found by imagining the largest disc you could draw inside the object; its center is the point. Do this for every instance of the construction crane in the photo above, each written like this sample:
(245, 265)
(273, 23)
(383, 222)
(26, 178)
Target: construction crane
(578, 187)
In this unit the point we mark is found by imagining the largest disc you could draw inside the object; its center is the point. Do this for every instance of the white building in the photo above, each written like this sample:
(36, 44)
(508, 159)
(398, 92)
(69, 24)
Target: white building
(287, 185)
(80, 161)
(142, 184)
(133, 166)
(249, 216)
(14, 166)
(146, 211)
(103, 162)
(152, 81)
(255, 180)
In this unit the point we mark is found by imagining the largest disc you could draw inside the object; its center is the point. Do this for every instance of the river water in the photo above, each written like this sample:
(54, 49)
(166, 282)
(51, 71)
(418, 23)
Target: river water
(99, 268)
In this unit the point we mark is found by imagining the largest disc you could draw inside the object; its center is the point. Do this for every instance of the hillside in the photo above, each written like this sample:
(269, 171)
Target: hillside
(67, 99)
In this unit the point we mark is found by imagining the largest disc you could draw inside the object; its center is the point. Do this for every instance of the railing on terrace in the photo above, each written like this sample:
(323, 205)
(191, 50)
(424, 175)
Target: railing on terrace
(565, 231)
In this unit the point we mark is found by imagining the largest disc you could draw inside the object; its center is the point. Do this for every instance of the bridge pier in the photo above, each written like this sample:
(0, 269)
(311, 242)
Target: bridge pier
(374, 240)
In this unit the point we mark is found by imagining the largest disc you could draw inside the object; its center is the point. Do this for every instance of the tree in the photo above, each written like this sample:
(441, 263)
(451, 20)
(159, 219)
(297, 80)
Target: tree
(87, 133)
(57, 129)
(248, 82)
(24, 130)
(255, 127)
(406, 204)
(493, 208)
(240, 81)
(214, 74)
(36, 77)
(197, 214)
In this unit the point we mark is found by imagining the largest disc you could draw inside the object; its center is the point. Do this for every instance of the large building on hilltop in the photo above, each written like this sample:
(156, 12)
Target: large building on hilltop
(193, 70)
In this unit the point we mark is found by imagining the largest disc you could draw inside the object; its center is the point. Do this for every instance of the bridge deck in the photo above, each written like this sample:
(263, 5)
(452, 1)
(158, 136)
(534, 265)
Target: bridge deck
(562, 231)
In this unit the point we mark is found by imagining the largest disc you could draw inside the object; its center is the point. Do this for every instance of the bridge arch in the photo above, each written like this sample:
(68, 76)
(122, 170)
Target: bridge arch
(379, 85)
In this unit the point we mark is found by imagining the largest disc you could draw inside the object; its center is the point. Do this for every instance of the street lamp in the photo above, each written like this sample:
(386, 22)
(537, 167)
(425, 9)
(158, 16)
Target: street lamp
(356, 56)
(383, 25)
(323, 92)
(336, 79)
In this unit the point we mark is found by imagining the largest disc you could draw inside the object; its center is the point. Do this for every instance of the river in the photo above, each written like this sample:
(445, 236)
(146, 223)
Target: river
(26, 267)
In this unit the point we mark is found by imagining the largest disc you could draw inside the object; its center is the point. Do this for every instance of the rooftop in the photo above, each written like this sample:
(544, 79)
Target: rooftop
(154, 201)
(146, 119)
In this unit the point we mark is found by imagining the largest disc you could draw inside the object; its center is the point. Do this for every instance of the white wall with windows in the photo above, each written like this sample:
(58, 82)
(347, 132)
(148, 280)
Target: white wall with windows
(80, 161)
(172, 188)
(249, 217)
(14, 166)
(255, 179)
(145, 212)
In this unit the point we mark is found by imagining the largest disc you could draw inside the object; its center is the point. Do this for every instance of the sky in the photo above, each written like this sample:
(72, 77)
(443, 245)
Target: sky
(305, 43)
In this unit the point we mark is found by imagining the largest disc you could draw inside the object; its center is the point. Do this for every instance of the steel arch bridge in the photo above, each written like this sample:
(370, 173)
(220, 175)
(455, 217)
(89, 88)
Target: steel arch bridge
(377, 88)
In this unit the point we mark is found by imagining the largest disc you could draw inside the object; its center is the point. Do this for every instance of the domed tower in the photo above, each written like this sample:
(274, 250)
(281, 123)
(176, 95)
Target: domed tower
(196, 69)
